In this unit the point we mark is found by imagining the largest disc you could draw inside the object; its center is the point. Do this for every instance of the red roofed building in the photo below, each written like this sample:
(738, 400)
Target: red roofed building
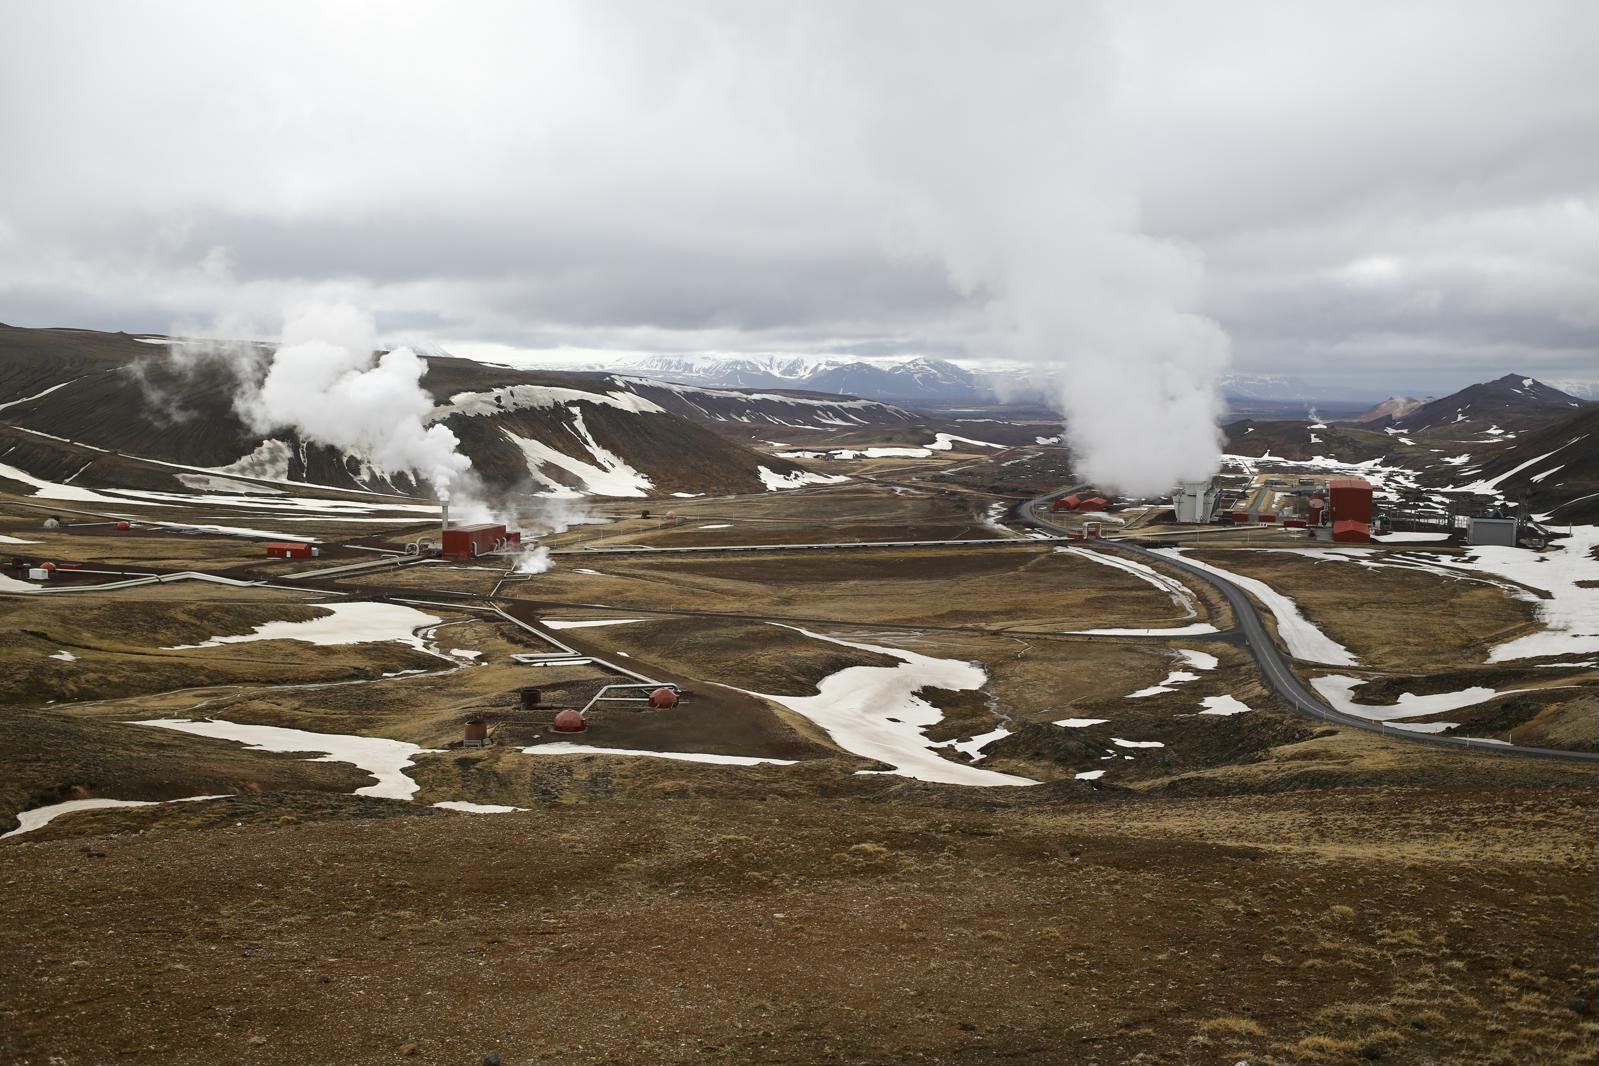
(468, 542)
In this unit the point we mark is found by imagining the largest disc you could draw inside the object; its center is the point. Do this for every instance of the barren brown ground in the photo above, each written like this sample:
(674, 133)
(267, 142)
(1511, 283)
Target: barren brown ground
(707, 915)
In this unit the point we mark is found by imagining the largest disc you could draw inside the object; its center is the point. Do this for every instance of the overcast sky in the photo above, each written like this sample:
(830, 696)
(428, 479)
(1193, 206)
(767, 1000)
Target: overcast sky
(1404, 195)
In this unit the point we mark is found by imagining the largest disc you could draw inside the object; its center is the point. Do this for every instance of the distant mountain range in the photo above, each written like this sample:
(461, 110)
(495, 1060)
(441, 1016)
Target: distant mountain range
(918, 380)
(1282, 388)
(931, 381)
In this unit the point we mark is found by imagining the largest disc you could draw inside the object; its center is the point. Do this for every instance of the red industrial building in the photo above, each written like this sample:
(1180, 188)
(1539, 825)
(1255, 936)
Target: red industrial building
(1080, 503)
(468, 542)
(1349, 504)
(1340, 508)
(287, 549)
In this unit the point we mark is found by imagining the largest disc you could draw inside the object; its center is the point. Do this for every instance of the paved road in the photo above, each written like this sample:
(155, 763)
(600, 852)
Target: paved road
(1274, 665)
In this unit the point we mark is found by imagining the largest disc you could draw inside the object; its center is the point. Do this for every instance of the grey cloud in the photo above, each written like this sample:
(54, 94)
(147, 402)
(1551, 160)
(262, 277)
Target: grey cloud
(1405, 194)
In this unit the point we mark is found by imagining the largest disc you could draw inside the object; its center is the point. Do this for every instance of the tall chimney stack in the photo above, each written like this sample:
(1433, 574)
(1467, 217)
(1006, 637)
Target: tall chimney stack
(444, 518)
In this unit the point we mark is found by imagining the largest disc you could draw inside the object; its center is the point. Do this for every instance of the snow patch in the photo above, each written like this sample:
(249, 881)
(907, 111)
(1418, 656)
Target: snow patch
(1195, 630)
(775, 482)
(533, 397)
(39, 817)
(477, 808)
(1223, 705)
(607, 475)
(1571, 613)
(385, 760)
(1338, 690)
(557, 623)
(348, 623)
(875, 712)
(566, 747)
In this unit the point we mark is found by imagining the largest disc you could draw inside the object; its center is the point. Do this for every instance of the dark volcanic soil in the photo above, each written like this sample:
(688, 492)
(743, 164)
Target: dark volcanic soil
(921, 925)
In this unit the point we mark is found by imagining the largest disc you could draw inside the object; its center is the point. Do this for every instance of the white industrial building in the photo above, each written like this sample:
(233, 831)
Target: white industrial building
(1194, 501)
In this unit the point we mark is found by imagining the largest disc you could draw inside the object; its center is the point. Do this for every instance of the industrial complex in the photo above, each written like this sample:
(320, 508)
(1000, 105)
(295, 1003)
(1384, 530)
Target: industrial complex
(1341, 509)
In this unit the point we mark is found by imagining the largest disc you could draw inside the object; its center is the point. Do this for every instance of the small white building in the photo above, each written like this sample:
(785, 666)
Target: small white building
(1194, 501)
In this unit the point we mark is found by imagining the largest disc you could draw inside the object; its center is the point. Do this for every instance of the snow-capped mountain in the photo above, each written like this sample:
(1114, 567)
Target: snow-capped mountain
(919, 380)
(744, 372)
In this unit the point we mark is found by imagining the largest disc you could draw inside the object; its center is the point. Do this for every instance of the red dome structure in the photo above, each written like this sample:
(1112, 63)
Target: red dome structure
(124, 525)
(47, 566)
(663, 698)
(569, 721)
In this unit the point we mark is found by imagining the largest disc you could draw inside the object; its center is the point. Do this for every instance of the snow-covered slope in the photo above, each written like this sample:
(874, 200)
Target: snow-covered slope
(92, 410)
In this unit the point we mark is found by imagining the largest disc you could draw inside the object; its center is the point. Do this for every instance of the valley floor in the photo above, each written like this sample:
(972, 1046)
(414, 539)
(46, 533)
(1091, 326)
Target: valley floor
(1164, 864)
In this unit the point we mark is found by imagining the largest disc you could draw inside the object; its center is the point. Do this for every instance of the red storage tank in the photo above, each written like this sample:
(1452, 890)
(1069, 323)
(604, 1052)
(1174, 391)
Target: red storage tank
(467, 542)
(1317, 505)
(1349, 531)
(663, 698)
(569, 721)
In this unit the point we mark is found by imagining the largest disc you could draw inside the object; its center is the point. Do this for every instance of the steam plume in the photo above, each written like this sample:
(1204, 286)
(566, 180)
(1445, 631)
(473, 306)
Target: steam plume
(325, 382)
(997, 132)
(533, 560)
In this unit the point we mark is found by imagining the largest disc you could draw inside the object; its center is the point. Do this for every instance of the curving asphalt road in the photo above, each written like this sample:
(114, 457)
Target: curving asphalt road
(1274, 665)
